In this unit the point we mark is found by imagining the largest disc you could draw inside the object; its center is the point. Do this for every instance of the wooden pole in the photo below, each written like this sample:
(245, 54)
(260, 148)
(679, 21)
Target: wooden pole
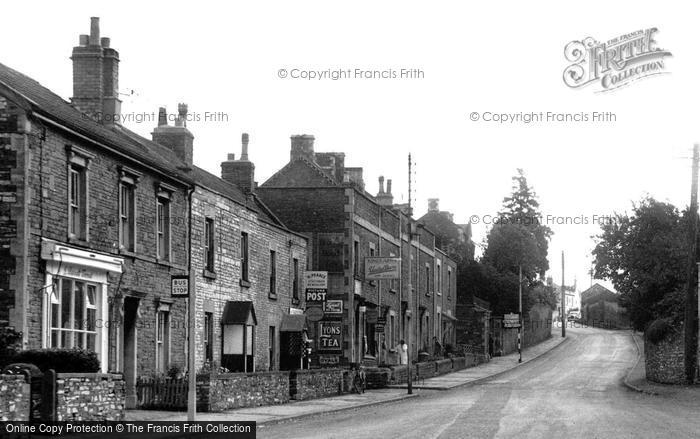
(690, 301)
(563, 299)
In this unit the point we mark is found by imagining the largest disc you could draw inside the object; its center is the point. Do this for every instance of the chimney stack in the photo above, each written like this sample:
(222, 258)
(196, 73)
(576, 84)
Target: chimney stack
(178, 137)
(433, 204)
(96, 77)
(302, 147)
(385, 198)
(241, 172)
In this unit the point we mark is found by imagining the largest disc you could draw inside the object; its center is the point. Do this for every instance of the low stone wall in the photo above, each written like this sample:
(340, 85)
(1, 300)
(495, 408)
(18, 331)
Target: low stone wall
(664, 361)
(459, 363)
(316, 383)
(221, 392)
(14, 398)
(89, 397)
(443, 366)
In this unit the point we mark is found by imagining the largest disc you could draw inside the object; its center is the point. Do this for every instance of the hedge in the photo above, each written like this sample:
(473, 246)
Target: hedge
(60, 360)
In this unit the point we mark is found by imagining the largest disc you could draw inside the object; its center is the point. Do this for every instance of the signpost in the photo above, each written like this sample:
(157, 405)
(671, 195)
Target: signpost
(511, 320)
(180, 286)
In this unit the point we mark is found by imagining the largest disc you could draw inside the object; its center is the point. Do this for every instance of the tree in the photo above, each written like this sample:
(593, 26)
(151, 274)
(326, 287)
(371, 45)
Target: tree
(522, 207)
(644, 255)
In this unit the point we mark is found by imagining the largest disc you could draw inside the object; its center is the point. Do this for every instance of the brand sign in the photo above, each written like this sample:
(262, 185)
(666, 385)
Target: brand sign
(314, 313)
(328, 360)
(333, 307)
(330, 336)
(316, 286)
(371, 315)
(180, 286)
(614, 63)
(382, 268)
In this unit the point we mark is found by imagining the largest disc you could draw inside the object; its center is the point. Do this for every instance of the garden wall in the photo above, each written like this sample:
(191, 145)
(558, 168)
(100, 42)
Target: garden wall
(89, 397)
(221, 392)
(14, 398)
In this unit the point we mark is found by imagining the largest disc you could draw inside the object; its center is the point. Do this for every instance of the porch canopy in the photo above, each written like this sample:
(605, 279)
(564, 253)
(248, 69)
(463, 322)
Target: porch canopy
(293, 323)
(239, 312)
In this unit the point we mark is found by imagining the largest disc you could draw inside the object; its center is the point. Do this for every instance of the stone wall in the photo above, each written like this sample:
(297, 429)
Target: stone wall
(14, 398)
(316, 383)
(217, 393)
(89, 397)
(664, 361)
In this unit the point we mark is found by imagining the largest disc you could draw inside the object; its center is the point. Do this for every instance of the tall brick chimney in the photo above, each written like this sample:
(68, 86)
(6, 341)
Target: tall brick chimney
(96, 77)
(178, 137)
(302, 147)
(385, 198)
(433, 204)
(241, 172)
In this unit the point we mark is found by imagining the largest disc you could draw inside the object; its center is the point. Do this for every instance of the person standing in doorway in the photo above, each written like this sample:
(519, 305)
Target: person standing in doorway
(402, 349)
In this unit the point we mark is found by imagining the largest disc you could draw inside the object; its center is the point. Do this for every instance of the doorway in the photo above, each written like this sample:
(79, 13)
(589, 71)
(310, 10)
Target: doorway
(131, 308)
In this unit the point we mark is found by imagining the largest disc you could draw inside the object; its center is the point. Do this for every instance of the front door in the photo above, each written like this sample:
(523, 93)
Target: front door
(131, 307)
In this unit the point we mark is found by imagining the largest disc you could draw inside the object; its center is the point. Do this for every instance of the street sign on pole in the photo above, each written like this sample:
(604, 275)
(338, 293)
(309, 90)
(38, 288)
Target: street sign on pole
(511, 320)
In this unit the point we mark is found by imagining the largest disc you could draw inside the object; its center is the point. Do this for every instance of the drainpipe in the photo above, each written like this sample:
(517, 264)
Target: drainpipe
(191, 308)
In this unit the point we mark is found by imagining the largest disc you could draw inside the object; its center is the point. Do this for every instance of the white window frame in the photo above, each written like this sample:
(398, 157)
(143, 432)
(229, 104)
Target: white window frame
(163, 227)
(163, 341)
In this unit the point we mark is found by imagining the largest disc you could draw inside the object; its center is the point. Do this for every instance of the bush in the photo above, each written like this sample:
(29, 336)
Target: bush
(60, 360)
(659, 329)
(10, 344)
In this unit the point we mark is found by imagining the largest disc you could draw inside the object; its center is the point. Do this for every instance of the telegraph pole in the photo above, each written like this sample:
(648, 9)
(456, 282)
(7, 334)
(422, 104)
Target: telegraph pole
(563, 298)
(520, 312)
(689, 324)
(409, 379)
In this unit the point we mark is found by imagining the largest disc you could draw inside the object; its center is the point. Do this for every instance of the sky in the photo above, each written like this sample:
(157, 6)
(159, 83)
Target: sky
(225, 60)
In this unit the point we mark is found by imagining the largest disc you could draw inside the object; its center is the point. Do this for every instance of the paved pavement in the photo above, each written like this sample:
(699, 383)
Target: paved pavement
(496, 366)
(575, 390)
(299, 409)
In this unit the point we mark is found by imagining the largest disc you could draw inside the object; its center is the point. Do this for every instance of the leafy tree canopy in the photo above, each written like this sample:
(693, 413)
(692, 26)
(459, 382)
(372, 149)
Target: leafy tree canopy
(644, 255)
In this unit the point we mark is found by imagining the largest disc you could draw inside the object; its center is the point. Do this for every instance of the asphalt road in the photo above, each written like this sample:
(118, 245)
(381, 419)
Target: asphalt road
(575, 390)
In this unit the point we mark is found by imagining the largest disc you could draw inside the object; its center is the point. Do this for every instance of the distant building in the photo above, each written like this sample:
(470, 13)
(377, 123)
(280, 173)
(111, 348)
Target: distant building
(316, 195)
(600, 307)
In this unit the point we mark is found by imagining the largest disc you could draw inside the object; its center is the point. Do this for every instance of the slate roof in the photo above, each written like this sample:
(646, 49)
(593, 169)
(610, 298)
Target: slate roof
(598, 292)
(48, 104)
(141, 150)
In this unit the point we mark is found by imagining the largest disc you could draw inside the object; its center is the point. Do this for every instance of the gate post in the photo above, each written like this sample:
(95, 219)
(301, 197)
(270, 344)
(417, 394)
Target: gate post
(48, 396)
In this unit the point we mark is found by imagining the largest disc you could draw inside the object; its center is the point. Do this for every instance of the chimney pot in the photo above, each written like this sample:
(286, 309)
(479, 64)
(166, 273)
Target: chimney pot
(182, 115)
(104, 42)
(94, 31)
(231, 157)
(388, 186)
(162, 117)
(433, 204)
(84, 40)
(381, 184)
(244, 146)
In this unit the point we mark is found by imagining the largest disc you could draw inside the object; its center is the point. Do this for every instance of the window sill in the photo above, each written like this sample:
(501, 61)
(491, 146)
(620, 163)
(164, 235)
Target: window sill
(72, 239)
(392, 290)
(272, 296)
(209, 274)
(125, 252)
(245, 283)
